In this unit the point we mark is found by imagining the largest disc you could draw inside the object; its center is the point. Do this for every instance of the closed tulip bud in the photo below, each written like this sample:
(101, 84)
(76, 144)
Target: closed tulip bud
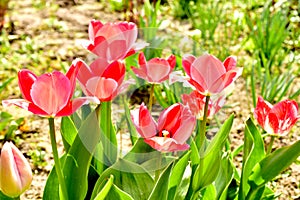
(15, 171)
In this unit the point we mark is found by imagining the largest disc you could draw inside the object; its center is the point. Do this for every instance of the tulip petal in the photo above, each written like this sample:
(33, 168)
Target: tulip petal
(22, 103)
(15, 171)
(158, 70)
(225, 80)
(94, 27)
(51, 92)
(187, 62)
(26, 79)
(117, 50)
(230, 63)
(104, 89)
(116, 70)
(147, 124)
(169, 119)
(98, 67)
(165, 144)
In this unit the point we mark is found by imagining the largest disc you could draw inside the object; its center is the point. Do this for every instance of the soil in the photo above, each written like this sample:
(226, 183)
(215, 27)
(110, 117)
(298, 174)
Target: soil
(61, 40)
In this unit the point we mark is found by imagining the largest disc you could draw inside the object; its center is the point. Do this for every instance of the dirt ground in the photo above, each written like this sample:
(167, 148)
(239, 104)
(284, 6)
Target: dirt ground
(62, 40)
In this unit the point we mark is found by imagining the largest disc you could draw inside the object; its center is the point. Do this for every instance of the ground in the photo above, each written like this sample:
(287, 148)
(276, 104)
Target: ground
(58, 32)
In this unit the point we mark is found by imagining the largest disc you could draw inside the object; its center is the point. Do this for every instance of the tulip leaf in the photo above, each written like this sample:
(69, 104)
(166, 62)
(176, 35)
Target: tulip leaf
(131, 127)
(177, 177)
(224, 177)
(219, 139)
(160, 190)
(209, 193)
(78, 159)
(68, 132)
(253, 153)
(108, 134)
(117, 193)
(104, 191)
(273, 164)
(129, 177)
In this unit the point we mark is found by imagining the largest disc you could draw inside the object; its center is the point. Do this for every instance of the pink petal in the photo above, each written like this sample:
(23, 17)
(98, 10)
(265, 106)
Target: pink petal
(142, 60)
(98, 66)
(172, 61)
(158, 70)
(230, 63)
(99, 48)
(51, 92)
(164, 144)
(116, 70)
(129, 31)
(117, 50)
(146, 123)
(206, 70)
(185, 130)
(26, 79)
(75, 104)
(22, 103)
(139, 72)
(262, 110)
(73, 72)
(169, 119)
(104, 89)
(94, 27)
(225, 80)
(187, 62)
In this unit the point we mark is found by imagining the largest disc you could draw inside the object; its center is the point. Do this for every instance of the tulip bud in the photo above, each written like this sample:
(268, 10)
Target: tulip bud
(15, 171)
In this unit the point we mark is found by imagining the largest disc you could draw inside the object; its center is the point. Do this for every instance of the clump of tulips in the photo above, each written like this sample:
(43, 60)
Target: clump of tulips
(171, 156)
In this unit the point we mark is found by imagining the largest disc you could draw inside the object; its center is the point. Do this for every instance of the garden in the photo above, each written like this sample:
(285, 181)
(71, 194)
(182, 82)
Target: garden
(140, 99)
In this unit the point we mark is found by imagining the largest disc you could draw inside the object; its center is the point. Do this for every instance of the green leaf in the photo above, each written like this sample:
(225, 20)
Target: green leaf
(117, 193)
(51, 190)
(131, 127)
(78, 159)
(224, 178)
(176, 178)
(274, 164)
(160, 190)
(104, 191)
(219, 139)
(209, 193)
(129, 177)
(254, 152)
(4, 197)
(108, 134)
(68, 131)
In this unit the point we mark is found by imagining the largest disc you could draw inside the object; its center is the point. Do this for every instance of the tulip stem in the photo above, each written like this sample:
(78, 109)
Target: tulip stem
(151, 96)
(56, 159)
(269, 149)
(203, 126)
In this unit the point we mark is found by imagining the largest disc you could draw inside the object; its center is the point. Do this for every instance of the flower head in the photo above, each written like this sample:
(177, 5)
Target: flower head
(196, 102)
(101, 79)
(49, 94)
(15, 171)
(277, 119)
(155, 70)
(112, 41)
(208, 74)
(175, 125)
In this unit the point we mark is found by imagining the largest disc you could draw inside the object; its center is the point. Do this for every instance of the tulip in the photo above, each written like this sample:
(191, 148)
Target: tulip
(102, 79)
(112, 41)
(196, 103)
(175, 125)
(208, 74)
(277, 119)
(155, 70)
(15, 171)
(49, 94)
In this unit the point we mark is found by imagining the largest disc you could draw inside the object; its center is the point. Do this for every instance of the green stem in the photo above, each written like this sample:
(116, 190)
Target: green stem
(151, 97)
(203, 126)
(58, 168)
(269, 149)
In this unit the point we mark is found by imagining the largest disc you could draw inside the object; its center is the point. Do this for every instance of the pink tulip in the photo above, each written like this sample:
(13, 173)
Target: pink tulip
(112, 41)
(174, 127)
(208, 74)
(15, 171)
(155, 70)
(277, 119)
(49, 94)
(196, 103)
(101, 79)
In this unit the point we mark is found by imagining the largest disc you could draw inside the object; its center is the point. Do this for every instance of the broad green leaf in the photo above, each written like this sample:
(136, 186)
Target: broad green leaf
(129, 177)
(68, 131)
(78, 159)
(160, 190)
(217, 143)
(104, 191)
(108, 134)
(51, 190)
(274, 164)
(253, 153)
(131, 127)
(224, 178)
(209, 193)
(116, 193)
(176, 176)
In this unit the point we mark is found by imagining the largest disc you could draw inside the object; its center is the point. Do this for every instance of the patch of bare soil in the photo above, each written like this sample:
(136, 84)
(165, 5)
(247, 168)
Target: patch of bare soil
(58, 31)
